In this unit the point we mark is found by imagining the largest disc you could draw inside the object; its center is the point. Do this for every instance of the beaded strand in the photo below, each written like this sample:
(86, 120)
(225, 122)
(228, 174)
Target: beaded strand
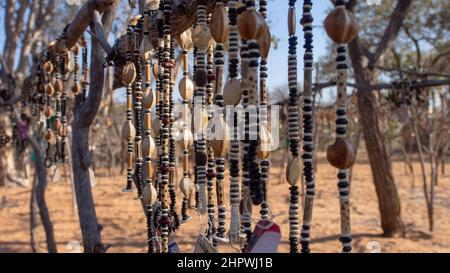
(308, 125)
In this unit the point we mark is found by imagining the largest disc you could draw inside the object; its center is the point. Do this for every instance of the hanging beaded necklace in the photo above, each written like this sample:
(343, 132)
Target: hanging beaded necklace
(186, 89)
(128, 130)
(293, 167)
(232, 91)
(308, 124)
(201, 37)
(342, 27)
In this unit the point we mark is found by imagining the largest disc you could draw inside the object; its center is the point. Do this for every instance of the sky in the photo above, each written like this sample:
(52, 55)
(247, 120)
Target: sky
(277, 62)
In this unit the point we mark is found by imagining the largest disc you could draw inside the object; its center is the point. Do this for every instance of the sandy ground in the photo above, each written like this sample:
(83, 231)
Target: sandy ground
(124, 225)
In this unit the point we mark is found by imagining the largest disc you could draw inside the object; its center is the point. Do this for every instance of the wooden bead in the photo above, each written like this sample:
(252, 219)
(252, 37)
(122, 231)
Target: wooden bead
(149, 194)
(48, 112)
(292, 21)
(219, 24)
(265, 145)
(129, 74)
(146, 49)
(75, 49)
(232, 92)
(341, 26)
(186, 139)
(59, 86)
(128, 131)
(76, 88)
(341, 154)
(49, 89)
(50, 136)
(201, 36)
(48, 67)
(148, 101)
(185, 40)
(148, 146)
(186, 186)
(265, 41)
(220, 141)
(186, 88)
(57, 125)
(251, 25)
(293, 171)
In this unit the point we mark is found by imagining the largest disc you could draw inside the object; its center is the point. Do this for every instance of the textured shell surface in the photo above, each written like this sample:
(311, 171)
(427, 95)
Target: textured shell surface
(341, 26)
(149, 194)
(186, 88)
(186, 186)
(264, 42)
(201, 36)
(293, 171)
(129, 74)
(148, 146)
(251, 24)
(186, 138)
(128, 131)
(146, 49)
(232, 92)
(219, 24)
(148, 101)
(185, 40)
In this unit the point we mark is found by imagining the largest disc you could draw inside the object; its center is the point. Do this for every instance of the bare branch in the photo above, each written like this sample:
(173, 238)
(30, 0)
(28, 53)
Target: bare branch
(397, 17)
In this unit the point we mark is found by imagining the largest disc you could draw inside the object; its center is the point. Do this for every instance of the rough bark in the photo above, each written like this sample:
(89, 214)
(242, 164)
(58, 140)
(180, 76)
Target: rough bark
(41, 172)
(33, 216)
(381, 165)
(84, 113)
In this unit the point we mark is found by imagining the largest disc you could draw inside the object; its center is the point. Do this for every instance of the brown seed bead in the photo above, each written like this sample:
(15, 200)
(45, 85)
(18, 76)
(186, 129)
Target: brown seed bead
(49, 89)
(76, 88)
(251, 25)
(341, 26)
(264, 41)
(148, 100)
(219, 24)
(48, 112)
(129, 74)
(48, 67)
(59, 86)
(341, 154)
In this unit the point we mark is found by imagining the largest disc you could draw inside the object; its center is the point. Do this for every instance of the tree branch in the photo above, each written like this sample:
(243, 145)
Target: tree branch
(397, 17)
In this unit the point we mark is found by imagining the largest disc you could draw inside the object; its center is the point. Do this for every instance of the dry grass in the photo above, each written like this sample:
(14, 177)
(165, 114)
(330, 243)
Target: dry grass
(125, 229)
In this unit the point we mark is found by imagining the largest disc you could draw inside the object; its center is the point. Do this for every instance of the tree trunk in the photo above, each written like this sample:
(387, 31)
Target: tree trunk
(41, 172)
(33, 214)
(380, 163)
(84, 113)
